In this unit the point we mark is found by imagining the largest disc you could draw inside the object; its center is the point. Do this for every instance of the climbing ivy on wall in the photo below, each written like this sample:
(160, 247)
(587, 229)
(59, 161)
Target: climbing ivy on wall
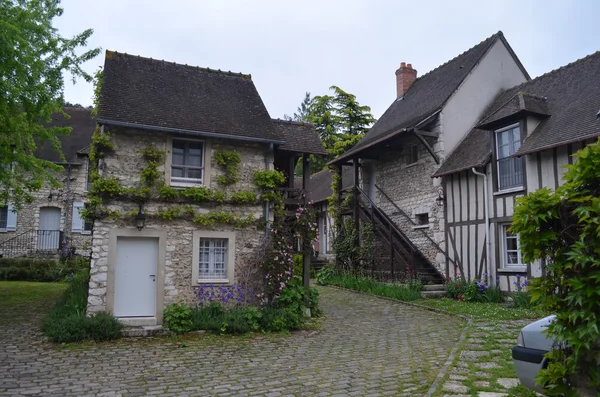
(152, 187)
(229, 160)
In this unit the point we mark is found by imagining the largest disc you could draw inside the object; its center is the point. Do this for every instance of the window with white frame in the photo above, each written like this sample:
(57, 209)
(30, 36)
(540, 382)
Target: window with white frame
(510, 169)
(187, 162)
(3, 217)
(324, 232)
(511, 248)
(213, 257)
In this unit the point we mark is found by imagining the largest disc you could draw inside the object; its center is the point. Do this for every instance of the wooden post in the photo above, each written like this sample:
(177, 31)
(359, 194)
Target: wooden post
(338, 215)
(356, 202)
(306, 245)
(391, 251)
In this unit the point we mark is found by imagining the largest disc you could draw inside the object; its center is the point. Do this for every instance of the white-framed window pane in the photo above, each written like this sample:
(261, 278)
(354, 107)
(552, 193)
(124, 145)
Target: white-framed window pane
(178, 153)
(510, 169)
(193, 173)
(213, 259)
(512, 252)
(3, 217)
(177, 172)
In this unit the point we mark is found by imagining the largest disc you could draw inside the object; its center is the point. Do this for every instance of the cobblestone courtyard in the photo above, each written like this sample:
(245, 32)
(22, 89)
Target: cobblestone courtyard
(365, 347)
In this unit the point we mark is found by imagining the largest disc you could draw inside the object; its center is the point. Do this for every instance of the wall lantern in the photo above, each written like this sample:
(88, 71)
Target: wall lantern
(140, 220)
(440, 198)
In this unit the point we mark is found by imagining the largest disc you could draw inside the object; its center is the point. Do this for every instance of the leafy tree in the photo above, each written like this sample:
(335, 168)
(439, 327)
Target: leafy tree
(303, 110)
(561, 230)
(340, 122)
(33, 57)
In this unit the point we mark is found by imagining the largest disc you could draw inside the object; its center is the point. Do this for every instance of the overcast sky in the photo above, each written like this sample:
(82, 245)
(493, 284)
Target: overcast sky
(291, 47)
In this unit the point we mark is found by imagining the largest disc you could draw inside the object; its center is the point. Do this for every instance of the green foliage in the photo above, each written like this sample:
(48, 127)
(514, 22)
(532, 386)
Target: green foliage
(168, 193)
(348, 254)
(223, 218)
(197, 194)
(339, 120)
(67, 322)
(106, 188)
(138, 195)
(408, 291)
(522, 299)
(325, 275)
(269, 179)
(26, 269)
(229, 160)
(35, 58)
(101, 145)
(479, 291)
(219, 196)
(244, 197)
(560, 229)
(178, 318)
(152, 154)
(456, 288)
(170, 213)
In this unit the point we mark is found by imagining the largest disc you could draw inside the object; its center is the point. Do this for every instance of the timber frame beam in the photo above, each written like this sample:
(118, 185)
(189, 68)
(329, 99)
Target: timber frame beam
(421, 137)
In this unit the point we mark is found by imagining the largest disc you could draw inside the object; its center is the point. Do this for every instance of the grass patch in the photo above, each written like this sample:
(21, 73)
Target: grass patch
(409, 291)
(484, 310)
(20, 300)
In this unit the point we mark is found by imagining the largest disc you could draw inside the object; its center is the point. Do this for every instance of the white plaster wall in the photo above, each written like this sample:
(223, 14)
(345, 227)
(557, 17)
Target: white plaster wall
(495, 72)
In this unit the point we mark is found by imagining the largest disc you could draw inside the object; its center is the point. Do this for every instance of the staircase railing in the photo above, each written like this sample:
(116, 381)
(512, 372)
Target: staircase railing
(32, 240)
(409, 218)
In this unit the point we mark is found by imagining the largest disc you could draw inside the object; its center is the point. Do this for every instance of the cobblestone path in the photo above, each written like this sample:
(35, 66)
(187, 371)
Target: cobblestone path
(365, 347)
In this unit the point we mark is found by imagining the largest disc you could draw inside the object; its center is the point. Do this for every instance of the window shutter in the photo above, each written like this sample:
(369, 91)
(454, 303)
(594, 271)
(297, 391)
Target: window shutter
(11, 219)
(77, 219)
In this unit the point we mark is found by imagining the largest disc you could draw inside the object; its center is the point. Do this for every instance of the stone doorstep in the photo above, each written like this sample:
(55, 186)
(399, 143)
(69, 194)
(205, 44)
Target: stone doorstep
(434, 287)
(433, 294)
(146, 331)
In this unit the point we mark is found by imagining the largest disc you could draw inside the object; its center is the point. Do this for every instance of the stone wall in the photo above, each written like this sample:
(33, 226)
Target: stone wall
(125, 164)
(412, 189)
(73, 189)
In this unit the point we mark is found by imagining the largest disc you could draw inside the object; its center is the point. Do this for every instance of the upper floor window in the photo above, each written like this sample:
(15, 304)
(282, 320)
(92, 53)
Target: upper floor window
(187, 162)
(88, 176)
(510, 169)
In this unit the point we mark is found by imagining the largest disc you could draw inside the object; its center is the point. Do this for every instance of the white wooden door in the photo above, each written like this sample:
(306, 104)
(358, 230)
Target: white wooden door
(49, 232)
(135, 277)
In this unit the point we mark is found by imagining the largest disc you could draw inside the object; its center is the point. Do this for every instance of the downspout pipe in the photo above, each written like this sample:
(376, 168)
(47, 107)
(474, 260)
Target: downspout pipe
(488, 243)
(267, 205)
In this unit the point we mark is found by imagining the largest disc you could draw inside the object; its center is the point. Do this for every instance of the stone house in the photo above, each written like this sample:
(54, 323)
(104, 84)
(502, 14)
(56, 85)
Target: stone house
(426, 121)
(52, 223)
(522, 143)
(151, 252)
(422, 165)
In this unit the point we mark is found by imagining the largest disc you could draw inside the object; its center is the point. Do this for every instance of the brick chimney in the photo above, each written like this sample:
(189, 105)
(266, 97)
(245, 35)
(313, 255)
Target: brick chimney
(405, 77)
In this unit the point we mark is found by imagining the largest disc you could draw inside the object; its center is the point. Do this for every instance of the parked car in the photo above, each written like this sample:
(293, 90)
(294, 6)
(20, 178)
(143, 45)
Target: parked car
(528, 355)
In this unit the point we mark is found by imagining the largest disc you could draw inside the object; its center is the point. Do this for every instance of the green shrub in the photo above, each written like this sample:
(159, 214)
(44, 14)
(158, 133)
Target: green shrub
(455, 288)
(560, 230)
(102, 326)
(45, 270)
(208, 318)
(178, 318)
(67, 322)
(325, 275)
(244, 197)
(522, 299)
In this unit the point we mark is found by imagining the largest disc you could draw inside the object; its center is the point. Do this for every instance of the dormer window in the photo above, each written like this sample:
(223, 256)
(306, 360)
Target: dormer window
(510, 169)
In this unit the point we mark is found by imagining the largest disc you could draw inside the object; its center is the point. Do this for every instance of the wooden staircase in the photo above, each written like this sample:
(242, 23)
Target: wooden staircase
(401, 257)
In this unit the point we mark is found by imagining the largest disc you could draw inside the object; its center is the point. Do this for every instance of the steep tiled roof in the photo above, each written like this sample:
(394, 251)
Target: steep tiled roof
(571, 98)
(299, 137)
(156, 93)
(473, 151)
(426, 95)
(520, 103)
(320, 184)
(83, 126)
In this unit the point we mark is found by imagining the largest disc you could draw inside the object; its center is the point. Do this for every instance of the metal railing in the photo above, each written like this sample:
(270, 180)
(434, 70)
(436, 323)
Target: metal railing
(31, 241)
(510, 172)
